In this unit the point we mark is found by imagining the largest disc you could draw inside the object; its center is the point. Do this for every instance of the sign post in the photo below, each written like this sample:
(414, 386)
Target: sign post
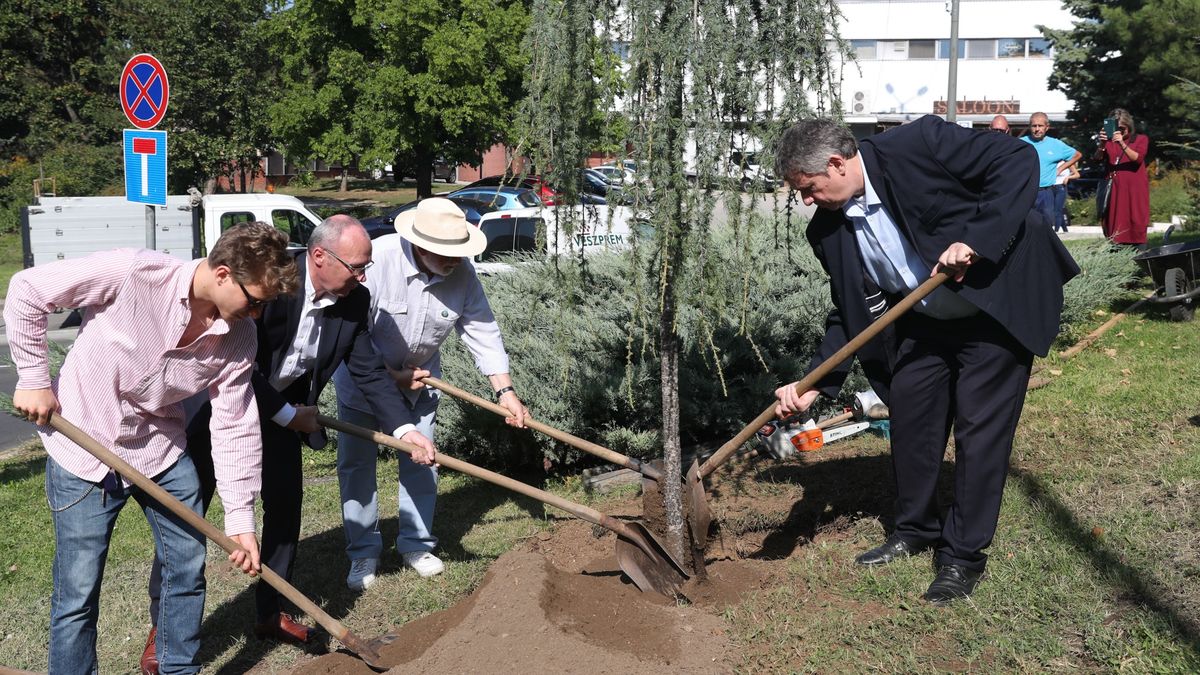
(144, 92)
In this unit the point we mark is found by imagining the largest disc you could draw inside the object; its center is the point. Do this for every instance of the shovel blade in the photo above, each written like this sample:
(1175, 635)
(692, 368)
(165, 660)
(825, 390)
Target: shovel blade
(644, 560)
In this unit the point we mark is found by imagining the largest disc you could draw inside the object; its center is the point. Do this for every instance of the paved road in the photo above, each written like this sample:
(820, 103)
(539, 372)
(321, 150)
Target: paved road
(14, 431)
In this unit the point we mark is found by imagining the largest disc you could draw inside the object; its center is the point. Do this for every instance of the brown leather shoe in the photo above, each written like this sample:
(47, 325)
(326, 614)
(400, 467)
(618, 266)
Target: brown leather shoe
(284, 628)
(149, 662)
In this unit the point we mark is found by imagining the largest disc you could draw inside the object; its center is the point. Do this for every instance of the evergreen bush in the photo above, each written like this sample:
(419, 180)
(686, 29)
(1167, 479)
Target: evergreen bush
(574, 366)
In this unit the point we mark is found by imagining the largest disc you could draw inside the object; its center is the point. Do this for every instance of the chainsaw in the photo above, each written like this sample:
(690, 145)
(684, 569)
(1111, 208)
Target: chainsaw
(783, 438)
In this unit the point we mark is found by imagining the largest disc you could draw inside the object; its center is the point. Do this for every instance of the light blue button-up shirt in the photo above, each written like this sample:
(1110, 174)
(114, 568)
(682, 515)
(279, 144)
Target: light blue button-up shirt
(412, 313)
(891, 260)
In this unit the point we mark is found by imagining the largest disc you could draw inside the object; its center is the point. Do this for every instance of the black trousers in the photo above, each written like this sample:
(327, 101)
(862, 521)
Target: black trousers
(966, 374)
(282, 498)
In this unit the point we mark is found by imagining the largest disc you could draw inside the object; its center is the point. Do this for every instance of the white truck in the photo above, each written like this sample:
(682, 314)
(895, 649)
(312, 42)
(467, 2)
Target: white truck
(60, 228)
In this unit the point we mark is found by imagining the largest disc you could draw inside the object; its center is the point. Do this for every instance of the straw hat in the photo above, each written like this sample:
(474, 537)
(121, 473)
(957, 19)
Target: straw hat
(439, 226)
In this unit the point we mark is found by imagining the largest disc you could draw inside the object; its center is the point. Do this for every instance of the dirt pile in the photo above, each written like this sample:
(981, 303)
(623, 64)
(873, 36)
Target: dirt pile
(530, 615)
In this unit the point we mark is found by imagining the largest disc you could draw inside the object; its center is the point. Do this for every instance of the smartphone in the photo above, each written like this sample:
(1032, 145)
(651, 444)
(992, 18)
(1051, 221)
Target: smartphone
(1110, 127)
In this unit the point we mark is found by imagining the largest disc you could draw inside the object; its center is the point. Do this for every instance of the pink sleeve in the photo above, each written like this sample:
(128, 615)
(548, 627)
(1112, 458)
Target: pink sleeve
(33, 293)
(237, 439)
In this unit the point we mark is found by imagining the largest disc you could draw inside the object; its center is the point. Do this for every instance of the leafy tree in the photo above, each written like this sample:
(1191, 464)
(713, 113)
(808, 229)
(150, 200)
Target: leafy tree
(221, 64)
(55, 84)
(400, 81)
(703, 79)
(1130, 54)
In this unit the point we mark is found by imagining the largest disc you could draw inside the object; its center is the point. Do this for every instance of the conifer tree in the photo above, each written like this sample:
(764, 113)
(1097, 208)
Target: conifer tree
(680, 88)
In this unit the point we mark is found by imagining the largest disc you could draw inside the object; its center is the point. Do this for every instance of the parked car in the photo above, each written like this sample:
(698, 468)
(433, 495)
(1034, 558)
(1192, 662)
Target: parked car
(530, 182)
(378, 226)
(443, 170)
(744, 167)
(500, 197)
(616, 175)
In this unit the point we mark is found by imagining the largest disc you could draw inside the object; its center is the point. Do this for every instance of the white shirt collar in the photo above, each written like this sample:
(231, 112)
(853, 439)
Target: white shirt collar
(311, 297)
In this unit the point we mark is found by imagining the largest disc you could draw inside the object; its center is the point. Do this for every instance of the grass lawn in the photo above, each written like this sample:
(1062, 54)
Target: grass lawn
(11, 259)
(1095, 565)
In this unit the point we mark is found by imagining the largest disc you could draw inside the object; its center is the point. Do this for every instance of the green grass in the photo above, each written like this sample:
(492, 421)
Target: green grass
(382, 191)
(1095, 563)
(11, 259)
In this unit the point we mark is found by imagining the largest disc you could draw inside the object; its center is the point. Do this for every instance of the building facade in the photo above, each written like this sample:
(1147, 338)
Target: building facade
(902, 50)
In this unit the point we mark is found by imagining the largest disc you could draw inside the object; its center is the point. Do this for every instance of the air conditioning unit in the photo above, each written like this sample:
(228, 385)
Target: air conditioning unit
(860, 103)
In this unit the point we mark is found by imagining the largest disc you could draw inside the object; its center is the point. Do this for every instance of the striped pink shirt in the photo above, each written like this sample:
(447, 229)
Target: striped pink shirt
(124, 379)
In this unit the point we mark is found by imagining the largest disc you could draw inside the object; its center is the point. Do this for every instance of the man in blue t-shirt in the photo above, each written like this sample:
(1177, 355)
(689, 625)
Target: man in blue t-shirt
(1053, 157)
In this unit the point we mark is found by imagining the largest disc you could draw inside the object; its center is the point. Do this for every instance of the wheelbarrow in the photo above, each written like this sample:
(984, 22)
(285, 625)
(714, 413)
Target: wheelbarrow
(1175, 269)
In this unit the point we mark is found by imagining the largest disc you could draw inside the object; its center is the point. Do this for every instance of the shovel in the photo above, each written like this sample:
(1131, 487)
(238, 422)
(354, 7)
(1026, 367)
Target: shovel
(363, 649)
(641, 556)
(557, 434)
(701, 516)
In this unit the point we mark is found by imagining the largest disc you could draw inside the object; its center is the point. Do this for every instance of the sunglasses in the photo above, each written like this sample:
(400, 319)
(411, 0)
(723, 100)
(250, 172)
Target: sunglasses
(251, 301)
(356, 270)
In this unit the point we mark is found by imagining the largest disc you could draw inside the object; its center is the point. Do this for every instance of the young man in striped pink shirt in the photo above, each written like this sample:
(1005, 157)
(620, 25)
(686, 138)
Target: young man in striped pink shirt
(156, 331)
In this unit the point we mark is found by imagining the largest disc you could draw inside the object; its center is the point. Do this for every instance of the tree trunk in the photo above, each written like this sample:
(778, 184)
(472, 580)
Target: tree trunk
(345, 185)
(671, 74)
(671, 486)
(423, 165)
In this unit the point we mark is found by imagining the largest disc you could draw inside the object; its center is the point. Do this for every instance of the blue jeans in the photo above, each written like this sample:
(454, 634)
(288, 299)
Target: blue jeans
(360, 498)
(1060, 207)
(1044, 204)
(84, 514)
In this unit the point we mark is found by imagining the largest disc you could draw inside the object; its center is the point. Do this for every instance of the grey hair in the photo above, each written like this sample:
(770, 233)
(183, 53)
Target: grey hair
(331, 229)
(807, 146)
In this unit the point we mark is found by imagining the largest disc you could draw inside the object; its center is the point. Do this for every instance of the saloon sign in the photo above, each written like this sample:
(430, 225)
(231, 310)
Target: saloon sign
(979, 107)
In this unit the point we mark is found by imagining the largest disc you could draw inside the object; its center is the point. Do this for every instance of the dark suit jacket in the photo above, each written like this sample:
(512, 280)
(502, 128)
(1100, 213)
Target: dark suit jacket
(943, 184)
(344, 338)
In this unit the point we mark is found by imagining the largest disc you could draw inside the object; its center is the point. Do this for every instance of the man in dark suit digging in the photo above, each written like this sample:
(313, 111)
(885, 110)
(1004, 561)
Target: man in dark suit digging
(925, 197)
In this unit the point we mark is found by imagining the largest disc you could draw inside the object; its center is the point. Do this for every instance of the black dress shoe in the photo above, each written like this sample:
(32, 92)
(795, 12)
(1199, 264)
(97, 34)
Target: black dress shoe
(953, 582)
(892, 549)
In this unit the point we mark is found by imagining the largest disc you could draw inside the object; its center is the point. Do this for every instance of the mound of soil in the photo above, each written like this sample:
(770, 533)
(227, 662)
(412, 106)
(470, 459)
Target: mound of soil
(546, 608)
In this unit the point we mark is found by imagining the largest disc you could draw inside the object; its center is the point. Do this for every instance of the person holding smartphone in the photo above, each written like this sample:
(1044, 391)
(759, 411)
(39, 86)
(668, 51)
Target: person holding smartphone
(1124, 154)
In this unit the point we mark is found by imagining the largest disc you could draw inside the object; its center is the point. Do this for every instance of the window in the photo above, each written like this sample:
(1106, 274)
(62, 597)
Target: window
(1039, 48)
(295, 224)
(896, 50)
(981, 49)
(232, 218)
(863, 49)
(1011, 48)
(943, 49)
(921, 49)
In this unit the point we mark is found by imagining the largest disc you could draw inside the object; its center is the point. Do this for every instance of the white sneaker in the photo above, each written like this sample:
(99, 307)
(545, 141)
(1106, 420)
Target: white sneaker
(362, 573)
(425, 563)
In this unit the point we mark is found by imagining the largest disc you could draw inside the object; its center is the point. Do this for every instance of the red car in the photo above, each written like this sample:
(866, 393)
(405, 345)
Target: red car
(532, 182)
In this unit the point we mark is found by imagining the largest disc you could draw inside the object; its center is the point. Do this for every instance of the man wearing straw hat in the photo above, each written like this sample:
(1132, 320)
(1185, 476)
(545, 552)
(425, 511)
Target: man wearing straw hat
(422, 286)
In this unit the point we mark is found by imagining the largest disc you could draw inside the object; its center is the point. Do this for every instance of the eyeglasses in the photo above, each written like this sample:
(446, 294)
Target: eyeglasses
(356, 270)
(251, 301)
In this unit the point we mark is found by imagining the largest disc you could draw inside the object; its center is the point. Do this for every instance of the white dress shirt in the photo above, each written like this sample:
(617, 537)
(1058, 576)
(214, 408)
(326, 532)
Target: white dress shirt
(301, 356)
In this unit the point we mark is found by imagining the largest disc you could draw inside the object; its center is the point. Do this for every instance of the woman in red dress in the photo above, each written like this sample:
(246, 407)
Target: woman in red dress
(1124, 158)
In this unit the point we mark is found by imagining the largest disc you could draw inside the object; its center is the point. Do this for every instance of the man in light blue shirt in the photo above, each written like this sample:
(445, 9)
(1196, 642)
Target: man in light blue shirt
(423, 286)
(1053, 157)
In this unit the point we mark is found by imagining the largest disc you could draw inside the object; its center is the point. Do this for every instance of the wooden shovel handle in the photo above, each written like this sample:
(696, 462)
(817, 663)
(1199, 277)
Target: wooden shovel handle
(578, 510)
(557, 434)
(725, 451)
(110, 459)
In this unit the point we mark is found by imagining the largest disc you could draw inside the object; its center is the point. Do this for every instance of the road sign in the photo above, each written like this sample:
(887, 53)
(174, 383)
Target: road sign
(144, 91)
(146, 166)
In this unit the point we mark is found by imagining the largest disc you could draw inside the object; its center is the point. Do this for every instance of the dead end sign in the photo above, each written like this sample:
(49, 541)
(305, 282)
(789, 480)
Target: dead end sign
(144, 91)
